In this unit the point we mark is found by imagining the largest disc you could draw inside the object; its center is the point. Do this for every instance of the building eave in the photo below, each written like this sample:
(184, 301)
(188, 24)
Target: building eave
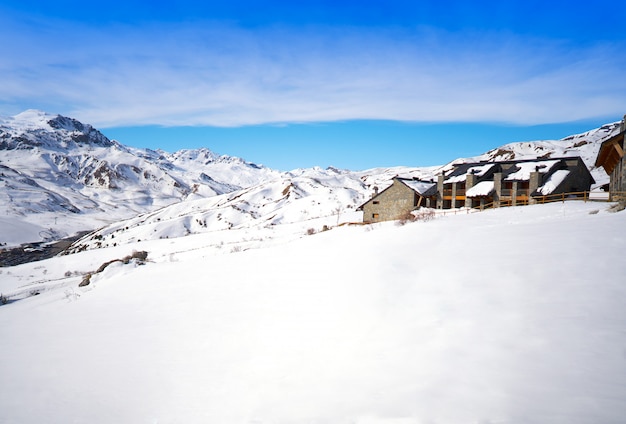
(611, 152)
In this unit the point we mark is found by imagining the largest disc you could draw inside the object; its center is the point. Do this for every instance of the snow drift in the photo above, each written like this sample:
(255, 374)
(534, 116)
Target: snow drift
(513, 315)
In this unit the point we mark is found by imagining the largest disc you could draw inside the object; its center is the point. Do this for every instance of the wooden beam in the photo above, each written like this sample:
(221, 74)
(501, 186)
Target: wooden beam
(614, 144)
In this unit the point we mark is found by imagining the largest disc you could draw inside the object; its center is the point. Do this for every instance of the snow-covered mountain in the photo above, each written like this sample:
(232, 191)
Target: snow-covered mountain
(283, 208)
(59, 176)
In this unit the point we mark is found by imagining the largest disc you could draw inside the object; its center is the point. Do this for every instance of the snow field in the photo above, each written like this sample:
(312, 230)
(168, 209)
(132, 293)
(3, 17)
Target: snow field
(507, 316)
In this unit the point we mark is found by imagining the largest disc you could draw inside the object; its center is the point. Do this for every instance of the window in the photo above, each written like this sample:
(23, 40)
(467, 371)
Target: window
(376, 202)
(375, 215)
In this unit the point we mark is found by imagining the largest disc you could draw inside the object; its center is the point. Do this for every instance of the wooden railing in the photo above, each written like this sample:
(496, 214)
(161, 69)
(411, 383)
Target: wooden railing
(616, 196)
(585, 196)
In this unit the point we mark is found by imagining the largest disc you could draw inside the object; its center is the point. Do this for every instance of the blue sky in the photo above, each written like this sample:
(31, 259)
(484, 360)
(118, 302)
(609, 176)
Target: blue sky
(297, 84)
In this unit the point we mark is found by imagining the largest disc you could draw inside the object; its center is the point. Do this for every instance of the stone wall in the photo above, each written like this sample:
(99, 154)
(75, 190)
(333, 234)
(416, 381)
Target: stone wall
(392, 203)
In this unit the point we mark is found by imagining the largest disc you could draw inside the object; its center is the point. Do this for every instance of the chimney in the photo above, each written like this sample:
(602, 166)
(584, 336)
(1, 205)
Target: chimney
(375, 191)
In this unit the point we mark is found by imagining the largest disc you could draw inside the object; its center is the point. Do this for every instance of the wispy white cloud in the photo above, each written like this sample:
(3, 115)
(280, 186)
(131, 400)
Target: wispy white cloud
(205, 73)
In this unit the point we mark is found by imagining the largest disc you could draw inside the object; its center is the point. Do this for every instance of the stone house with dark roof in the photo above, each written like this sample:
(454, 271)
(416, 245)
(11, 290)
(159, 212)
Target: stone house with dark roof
(611, 158)
(400, 198)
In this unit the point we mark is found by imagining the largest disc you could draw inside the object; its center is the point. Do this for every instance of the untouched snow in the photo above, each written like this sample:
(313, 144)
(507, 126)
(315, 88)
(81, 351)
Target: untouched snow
(513, 315)
(291, 204)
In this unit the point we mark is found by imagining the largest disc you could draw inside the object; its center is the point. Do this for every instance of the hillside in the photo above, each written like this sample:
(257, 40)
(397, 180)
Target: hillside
(512, 315)
(59, 176)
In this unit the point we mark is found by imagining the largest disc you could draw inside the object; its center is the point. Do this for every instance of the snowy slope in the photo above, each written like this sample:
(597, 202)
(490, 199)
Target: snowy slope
(296, 202)
(505, 316)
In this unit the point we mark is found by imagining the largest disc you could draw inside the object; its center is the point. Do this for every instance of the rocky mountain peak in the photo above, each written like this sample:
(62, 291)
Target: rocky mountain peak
(35, 128)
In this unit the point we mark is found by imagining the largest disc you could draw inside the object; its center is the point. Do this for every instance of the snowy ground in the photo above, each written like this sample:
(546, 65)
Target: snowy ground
(507, 316)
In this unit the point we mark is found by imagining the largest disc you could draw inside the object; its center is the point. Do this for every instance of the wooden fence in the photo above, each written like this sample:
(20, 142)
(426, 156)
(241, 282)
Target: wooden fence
(586, 196)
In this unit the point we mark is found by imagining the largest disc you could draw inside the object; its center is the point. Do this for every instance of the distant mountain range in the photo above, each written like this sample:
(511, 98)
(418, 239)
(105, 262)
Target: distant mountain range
(59, 176)
(62, 176)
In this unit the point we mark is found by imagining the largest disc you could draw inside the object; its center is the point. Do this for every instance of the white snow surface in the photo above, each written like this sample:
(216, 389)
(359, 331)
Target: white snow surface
(289, 205)
(362, 324)
(419, 186)
(526, 168)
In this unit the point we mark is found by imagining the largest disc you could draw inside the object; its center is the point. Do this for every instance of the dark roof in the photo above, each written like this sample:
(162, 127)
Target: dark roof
(510, 167)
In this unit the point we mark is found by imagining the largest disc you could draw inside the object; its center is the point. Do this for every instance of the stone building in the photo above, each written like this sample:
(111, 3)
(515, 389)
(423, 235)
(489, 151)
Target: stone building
(482, 185)
(513, 183)
(611, 158)
(401, 197)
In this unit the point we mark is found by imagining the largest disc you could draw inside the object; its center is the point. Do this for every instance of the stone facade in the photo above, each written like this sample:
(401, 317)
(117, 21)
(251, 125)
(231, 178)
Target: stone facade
(390, 204)
(393, 203)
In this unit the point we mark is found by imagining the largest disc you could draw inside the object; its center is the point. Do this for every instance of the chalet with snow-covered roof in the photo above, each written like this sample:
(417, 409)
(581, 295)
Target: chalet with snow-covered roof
(482, 185)
(452, 188)
(400, 198)
(511, 182)
(611, 158)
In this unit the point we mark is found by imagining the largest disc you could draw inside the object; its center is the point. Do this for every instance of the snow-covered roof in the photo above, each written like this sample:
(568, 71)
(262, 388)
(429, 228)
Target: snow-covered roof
(525, 168)
(419, 186)
(553, 182)
(478, 170)
(483, 188)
